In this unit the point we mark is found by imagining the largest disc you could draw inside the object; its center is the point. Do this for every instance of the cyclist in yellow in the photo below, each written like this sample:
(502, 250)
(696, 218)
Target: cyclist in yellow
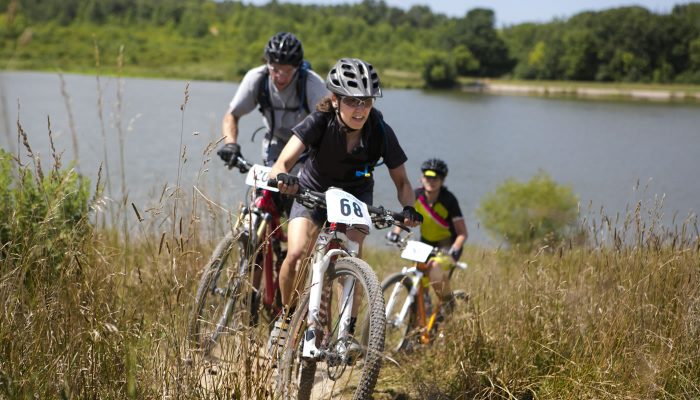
(443, 226)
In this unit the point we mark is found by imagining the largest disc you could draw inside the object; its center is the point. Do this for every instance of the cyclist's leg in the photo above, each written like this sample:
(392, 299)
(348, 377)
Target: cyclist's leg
(301, 234)
(359, 237)
(439, 277)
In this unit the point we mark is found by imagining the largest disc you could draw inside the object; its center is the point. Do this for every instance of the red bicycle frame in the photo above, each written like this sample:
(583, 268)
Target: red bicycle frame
(272, 232)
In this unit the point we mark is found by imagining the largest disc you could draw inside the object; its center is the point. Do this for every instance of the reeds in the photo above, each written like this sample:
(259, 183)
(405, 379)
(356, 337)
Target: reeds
(615, 319)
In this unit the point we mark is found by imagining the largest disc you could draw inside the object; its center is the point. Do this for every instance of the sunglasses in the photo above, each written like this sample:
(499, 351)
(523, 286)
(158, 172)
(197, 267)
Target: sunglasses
(281, 71)
(357, 102)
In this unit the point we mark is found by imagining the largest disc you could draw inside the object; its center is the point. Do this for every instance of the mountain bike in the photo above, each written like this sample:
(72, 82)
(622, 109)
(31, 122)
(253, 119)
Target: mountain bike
(336, 335)
(410, 317)
(231, 293)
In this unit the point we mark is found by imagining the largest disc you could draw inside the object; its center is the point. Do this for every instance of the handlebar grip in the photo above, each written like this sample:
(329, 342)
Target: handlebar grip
(272, 182)
(397, 216)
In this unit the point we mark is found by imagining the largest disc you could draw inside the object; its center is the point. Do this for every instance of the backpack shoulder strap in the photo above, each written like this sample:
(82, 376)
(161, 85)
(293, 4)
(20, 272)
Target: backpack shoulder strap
(385, 140)
(264, 102)
(301, 85)
(264, 92)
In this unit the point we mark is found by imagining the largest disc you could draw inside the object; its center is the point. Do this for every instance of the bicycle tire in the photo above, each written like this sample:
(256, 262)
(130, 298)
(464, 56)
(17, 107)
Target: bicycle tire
(298, 375)
(398, 338)
(217, 297)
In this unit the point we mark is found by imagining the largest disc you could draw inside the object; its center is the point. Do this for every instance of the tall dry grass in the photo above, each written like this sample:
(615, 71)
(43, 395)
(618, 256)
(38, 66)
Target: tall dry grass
(619, 320)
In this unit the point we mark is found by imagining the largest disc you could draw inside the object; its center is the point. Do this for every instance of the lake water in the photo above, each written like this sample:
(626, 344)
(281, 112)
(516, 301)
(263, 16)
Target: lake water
(600, 148)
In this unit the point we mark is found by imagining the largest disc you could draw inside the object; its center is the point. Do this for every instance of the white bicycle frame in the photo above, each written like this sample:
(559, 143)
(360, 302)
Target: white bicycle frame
(322, 259)
(342, 208)
(415, 251)
(415, 276)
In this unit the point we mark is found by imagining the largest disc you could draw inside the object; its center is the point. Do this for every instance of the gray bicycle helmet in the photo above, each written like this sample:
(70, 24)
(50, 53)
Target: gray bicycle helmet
(436, 166)
(284, 48)
(353, 77)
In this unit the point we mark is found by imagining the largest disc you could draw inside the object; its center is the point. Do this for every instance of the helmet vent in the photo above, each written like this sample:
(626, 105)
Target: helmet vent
(355, 78)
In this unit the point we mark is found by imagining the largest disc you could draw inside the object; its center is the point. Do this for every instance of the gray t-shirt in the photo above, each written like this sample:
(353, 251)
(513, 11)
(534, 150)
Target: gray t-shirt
(287, 111)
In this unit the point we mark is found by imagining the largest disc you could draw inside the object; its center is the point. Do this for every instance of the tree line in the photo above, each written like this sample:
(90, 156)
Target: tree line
(222, 39)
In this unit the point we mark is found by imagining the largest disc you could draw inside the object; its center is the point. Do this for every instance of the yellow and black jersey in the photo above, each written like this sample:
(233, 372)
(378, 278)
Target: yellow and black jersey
(438, 219)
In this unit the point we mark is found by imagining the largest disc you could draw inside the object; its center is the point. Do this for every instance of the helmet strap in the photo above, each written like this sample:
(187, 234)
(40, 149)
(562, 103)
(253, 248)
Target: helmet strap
(345, 128)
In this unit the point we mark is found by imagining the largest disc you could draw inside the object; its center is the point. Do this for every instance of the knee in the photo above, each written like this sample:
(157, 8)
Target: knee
(292, 257)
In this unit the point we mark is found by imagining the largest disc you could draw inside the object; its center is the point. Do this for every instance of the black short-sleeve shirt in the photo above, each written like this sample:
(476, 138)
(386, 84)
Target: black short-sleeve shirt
(329, 163)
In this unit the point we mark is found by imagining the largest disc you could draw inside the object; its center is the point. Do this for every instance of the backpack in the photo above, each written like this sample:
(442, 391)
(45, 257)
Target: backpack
(264, 93)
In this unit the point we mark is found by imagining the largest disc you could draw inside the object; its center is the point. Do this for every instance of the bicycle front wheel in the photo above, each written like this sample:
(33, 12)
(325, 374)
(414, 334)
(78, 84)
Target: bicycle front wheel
(400, 312)
(220, 297)
(350, 356)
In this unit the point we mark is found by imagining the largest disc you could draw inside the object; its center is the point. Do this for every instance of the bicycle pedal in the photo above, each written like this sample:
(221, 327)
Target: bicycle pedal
(460, 295)
(353, 353)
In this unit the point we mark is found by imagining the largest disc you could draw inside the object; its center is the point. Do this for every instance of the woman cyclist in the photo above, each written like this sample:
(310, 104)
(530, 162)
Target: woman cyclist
(443, 226)
(346, 137)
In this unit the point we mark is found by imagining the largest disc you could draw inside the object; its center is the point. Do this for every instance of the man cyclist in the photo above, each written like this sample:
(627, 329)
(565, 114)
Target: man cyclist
(443, 226)
(346, 138)
(285, 91)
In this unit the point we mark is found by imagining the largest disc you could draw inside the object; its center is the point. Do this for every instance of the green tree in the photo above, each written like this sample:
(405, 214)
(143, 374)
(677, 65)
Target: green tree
(477, 32)
(438, 70)
(464, 61)
(579, 59)
(529, 213)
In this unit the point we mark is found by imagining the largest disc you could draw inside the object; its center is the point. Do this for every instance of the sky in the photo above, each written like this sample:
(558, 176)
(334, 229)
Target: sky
(509, 12)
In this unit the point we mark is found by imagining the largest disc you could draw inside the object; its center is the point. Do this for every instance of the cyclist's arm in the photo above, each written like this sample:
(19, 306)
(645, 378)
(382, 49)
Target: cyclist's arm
(229, 128)
(244, 101)
(404, 190)
(462, 233)
(289, 156)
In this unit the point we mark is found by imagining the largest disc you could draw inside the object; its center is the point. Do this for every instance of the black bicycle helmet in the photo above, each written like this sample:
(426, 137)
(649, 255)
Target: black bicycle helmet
(353, 77)
(435, 166)
(284, 48)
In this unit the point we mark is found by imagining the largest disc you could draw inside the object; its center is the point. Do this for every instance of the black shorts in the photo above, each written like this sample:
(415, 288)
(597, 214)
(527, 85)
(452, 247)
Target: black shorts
(319, 215)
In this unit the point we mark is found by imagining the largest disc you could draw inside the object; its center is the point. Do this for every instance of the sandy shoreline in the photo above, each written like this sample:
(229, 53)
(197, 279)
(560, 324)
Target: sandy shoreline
(546, 90)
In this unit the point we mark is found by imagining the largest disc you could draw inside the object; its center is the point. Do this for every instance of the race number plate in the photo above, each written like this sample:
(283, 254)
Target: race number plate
(257, 177)
(416, 251)
(346, 209)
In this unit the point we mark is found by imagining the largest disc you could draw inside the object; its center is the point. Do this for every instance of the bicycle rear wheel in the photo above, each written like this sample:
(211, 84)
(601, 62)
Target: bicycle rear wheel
(351, 360)
(396, 289)
(221, 299)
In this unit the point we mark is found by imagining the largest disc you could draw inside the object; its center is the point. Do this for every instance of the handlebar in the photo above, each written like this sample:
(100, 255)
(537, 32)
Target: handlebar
(241, 163)
(433, 253)
(381, 217)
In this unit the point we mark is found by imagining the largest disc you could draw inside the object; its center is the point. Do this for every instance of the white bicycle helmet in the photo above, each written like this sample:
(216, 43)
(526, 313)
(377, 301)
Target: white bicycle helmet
(352, 77)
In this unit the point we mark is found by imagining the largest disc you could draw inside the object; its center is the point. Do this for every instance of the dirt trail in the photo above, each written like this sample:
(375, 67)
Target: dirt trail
(240, 364)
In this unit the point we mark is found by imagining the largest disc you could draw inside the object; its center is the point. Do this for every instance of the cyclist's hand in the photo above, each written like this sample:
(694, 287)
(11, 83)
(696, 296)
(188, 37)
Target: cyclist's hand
(455, 253)
(229, 152)
(411, 216)
(392, 237)
(287, 184)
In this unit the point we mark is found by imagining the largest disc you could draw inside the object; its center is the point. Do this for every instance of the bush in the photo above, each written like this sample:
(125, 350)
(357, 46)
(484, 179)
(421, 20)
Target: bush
(41, 216)
(439, 71)
(529, 213)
